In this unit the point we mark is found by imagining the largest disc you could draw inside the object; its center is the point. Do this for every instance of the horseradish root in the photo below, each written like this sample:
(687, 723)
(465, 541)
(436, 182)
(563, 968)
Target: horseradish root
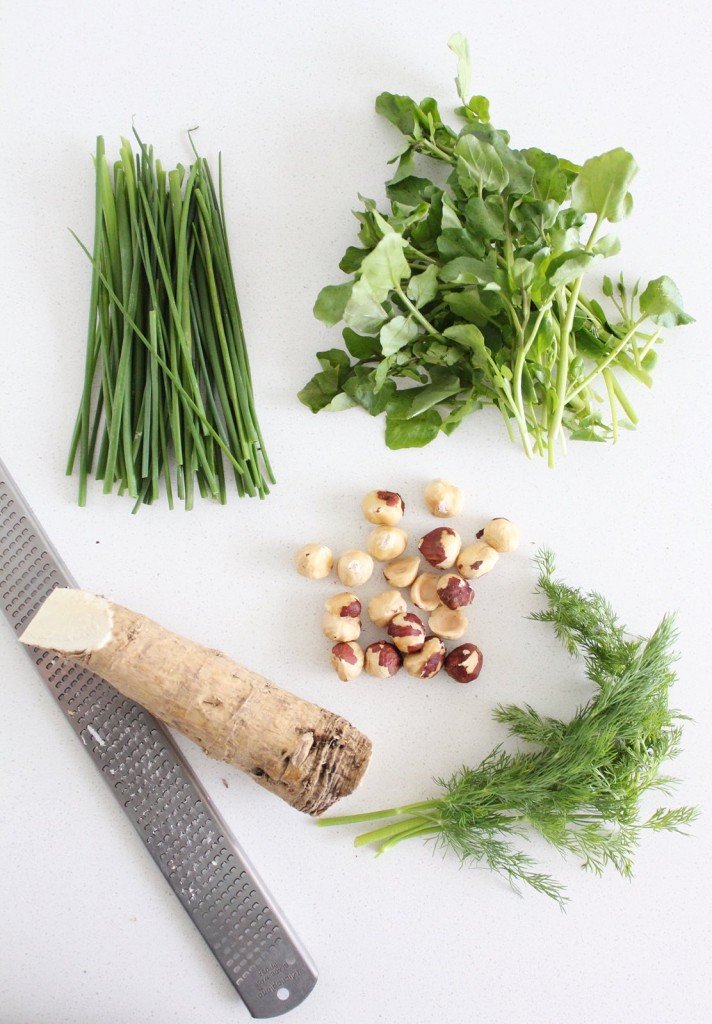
(305, 754)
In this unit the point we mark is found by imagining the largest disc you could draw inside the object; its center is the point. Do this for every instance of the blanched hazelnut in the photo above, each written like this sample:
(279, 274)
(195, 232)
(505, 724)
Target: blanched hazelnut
(464, 663)
(382, 660)
(346, 605)
(424, 592)
(387, 542)
(500, 534)
(448, 622)
(455, 592)
(336, 627)
(347, 660)
(408, 632)
(443, 499)
(403, 571)
(354, 568)
(428, 661)
(440, 547)
(315, 561)
(476, 559)
(384, 507)
(383, 607)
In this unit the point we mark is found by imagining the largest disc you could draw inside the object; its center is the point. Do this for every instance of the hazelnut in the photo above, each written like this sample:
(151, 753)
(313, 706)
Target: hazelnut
(408, 632)
(443, 499)
(500, 534)
(347, 660)
(387, 542)
(476, 559)
(402, 572)
(315, 561)
(383, 507)
(455, 592)
(347, 606)
(336, 627)
(427, 662)
(354, 568)
(424, 592)
(440, 547)
(463, 664)
(382, 660)
(448, 622)
(383, 607)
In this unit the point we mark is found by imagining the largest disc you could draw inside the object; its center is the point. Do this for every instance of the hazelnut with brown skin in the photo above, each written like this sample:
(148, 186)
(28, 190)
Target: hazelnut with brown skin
(424, 592)
(354, 568)
(340, 628)
(383, 607)
(403, 571)
(347, 660)
(443, 499)
(476, 559)
(450, 623)
(464, 663)
(428, 661)
(440, 547)
(383, 507)
(382, 660)
(407, 631)
(387, 542)
(347, 606)
(501, 535)
(315, 561)
(455, 592)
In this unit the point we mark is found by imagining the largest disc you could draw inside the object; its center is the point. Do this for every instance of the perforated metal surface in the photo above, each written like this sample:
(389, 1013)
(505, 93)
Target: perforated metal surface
(184, 833)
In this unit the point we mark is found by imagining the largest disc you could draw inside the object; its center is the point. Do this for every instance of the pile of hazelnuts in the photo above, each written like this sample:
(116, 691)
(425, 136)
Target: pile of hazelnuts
(443, 594)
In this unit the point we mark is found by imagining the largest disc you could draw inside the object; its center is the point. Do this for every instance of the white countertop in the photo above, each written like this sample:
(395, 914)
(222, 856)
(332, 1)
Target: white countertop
(90, 933)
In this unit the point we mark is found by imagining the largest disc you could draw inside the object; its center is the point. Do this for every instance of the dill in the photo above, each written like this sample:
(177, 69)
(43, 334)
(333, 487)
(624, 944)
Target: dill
(581, 787)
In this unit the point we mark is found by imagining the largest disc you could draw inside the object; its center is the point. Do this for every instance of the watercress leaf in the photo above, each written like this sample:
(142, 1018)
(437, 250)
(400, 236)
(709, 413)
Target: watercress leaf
(478, 166)
(468, 306)
(380, 374)
(458, 45)
(607, 286)
(333, 357)
(422, 288)
(368, 234)
(454, 242)
(522, 272)
(607, 246)
(550, 178)
(662, 302)
(430, 395)
(412, 190)
(352, 259)
(396, 334)
(363, 313)
(321, 389)
(385, 267)
(450, 218)
(602, 185)
(399, 110)
(520, 174)
(479, 105)
(412, 433)
(405, 169)
(469, 336)
(567, 266)
(331, 302)
(466, 270)
(339, 402)
(360, 346)
(485, 218)
(360, 387)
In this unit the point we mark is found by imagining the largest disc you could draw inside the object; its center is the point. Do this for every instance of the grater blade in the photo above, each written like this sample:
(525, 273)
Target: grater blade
(165, 802)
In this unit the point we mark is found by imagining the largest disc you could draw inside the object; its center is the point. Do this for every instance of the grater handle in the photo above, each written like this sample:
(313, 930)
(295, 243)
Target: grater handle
(158, 791)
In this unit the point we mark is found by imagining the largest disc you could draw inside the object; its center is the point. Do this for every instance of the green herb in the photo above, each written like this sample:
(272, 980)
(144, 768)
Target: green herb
(467, 293)
(581, 787)
(167, 392)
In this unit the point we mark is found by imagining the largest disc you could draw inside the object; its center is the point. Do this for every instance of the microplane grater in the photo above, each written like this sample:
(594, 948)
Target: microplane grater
(165, 802)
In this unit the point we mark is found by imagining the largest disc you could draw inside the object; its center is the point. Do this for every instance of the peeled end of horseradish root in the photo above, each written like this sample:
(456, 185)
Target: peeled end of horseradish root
(307, 755)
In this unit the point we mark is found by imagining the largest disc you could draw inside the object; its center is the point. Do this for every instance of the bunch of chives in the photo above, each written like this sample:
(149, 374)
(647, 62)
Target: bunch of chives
(167, 399)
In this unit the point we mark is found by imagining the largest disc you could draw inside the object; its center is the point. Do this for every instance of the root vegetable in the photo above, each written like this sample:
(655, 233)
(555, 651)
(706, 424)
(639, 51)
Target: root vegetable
(354, 568)
(501, 535)
(476, 559)
(315, 561)
(464, 663)
(424, 592)
(440, 547)
(407, 631)
(387, 542)
(347, 660)
(443, 499)
(450, 623)
(340, 628)
(305, 754)
(382, 660)
(402, 572)
(346, 605)
(454, 592)
(383, 507)
(383, 607)
(427, 662)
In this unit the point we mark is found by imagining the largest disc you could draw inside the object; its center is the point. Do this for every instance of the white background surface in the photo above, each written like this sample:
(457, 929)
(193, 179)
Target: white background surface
(90, 932)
